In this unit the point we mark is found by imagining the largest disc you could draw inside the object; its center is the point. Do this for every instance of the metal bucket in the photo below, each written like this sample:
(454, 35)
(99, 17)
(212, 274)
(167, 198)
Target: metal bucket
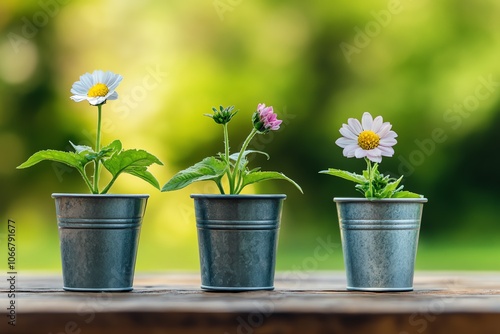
(379, 242)
(237, 237)
(99, 235)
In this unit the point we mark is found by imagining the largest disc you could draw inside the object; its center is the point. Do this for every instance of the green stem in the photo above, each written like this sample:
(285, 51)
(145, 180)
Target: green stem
(86, 179)
(239, 186)
(370, 176)
(226, 158)
(226, 143)
(221, 188)
(110, 184)
(236, 171)
(97, 162)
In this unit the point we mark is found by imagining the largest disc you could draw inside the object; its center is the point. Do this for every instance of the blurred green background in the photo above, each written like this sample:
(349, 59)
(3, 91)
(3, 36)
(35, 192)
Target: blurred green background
(430, 68)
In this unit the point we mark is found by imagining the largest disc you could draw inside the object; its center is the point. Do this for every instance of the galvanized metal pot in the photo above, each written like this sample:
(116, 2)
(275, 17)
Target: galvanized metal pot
(237, 237)
(99, 235)
(379, 241)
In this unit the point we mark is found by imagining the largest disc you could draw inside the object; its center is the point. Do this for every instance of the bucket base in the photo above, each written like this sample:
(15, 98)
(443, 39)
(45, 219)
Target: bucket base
(127, 289)
(350, 288)
(235, 289)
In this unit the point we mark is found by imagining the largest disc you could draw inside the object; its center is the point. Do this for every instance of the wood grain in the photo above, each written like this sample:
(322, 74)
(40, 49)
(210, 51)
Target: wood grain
(314, 302)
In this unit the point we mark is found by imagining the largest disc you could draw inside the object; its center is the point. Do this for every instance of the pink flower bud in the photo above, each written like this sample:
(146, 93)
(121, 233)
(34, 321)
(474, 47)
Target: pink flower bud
(265, 120)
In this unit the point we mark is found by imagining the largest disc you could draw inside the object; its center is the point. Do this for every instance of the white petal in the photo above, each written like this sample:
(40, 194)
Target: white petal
(386, 151)
(349, 151)
(388, 142)
(77, 92)
(114, 81)
(374, 154)
(374, 157)
(391, 134)
(106, 77)
(355, 125)
(81, 86)
(377, 123)
(367, 121)
(78, 98)
(384, 129)
(112, 96)
(79, 89)
(87, 80)
(375, 151)
(98, 76)
(346, 131)
(360, 153)
(96, 100)
(343, 142)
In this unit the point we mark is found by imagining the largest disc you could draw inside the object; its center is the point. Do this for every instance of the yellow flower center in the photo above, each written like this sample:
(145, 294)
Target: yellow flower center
(368, 140)
(98, 89)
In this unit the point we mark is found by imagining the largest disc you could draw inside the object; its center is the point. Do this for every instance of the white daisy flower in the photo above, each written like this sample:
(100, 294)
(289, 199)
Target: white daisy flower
(96, 87)
(372, 138)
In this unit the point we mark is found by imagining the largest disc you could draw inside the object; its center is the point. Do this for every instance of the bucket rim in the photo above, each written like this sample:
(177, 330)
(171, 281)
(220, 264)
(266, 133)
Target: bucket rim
(378, 200)
(239, 196)
(76, 195)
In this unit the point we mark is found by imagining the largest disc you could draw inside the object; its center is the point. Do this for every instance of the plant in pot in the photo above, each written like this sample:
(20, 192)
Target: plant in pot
(380, 231)
(99, 232)
(237, 234)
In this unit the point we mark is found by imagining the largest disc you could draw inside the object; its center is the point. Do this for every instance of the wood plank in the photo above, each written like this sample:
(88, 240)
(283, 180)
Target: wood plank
(302, 303)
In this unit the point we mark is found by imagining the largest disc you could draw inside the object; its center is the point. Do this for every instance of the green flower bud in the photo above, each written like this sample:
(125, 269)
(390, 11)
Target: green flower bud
(222, 116)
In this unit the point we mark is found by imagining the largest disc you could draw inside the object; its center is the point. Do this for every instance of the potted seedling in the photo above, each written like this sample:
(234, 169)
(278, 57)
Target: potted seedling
(99, 232)
(379, 231)
(237, 233)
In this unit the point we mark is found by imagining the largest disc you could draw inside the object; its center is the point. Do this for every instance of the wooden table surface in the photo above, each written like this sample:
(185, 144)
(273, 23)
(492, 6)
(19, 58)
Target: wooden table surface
(303, 302)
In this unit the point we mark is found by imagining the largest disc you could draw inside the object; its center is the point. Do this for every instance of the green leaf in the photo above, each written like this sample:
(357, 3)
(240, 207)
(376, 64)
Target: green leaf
(244, 161)
(69, 158)
(209, 168)
(406, 194)
(82, 148)
(133, 162)
(143, 173)
(105, 152)
(389, 188)
(114, 147)
(345, 175)
(264, 176)
(234, 156)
